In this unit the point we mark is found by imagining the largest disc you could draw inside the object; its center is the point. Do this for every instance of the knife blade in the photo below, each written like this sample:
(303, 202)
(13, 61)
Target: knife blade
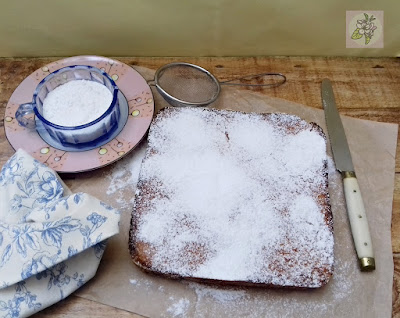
(344, 164)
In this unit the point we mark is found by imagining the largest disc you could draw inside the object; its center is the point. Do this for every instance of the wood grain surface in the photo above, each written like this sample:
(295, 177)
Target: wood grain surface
(367, 88)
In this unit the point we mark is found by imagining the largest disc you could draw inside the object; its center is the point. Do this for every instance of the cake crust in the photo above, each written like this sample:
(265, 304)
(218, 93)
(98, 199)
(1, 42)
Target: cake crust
(234, 198)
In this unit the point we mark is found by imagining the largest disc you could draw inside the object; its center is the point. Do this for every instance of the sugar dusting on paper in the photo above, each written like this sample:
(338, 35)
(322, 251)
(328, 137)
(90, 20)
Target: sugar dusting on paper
(236, 302)
(179, 308)
(124, 177)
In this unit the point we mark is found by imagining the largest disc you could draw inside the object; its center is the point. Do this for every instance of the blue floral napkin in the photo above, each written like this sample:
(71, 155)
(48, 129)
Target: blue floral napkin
(51, 240)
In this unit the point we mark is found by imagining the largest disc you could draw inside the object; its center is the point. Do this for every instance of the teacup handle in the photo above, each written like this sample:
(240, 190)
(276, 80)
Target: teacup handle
(21, 113)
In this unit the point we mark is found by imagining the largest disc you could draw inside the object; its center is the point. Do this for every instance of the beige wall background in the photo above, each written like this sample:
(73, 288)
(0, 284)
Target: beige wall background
(187, 27)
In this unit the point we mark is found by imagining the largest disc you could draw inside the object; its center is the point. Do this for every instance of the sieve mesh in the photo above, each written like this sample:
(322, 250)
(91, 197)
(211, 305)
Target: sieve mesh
(188, 83)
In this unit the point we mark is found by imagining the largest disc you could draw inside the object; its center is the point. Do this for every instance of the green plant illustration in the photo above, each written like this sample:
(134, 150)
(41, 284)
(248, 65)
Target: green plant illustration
(364, 28)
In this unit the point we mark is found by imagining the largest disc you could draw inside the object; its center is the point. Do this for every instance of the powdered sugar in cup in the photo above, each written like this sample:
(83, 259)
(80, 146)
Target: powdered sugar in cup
(76, 106)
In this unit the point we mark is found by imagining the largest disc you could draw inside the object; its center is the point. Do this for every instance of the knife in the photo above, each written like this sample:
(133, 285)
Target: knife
(344, 164)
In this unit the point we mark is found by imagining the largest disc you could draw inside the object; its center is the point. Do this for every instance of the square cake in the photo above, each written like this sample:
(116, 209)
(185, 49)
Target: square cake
(234, 198)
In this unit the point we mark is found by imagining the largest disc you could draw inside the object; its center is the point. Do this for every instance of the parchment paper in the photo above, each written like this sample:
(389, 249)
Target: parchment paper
(350, 293)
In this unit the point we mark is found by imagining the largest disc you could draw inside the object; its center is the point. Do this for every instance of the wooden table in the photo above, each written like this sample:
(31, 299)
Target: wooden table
(367, 88)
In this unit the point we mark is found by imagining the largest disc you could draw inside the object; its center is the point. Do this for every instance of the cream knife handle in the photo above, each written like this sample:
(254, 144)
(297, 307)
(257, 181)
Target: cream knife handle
(358, 221)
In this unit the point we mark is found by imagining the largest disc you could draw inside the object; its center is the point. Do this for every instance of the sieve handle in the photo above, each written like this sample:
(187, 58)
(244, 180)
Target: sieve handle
(249, 77)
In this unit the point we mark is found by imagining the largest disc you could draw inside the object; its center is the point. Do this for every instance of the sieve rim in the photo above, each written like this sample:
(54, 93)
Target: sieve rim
(180, 101)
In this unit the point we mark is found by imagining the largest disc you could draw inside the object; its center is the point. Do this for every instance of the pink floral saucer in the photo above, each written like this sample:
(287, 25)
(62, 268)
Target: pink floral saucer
(139, 116)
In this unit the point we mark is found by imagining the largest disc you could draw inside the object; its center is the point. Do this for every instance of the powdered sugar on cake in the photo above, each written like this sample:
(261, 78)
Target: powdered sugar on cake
(230, 196)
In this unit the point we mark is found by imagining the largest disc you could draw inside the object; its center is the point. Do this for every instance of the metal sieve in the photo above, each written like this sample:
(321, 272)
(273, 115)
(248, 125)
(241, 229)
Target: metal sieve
(184, 84)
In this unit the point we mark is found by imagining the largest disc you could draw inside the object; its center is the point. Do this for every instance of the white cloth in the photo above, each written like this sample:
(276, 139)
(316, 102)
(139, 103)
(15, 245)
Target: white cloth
(51, 241)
